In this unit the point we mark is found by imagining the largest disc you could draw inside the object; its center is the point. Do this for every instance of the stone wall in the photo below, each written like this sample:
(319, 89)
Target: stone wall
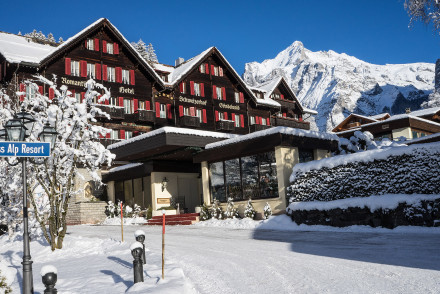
(86, 213)
(424, 213)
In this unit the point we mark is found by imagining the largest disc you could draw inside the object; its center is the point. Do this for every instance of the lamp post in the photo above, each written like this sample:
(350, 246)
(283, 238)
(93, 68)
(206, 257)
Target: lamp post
(18, 129)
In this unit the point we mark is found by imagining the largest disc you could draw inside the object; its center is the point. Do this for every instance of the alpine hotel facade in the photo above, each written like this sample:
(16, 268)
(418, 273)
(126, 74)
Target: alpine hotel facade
(188, 133)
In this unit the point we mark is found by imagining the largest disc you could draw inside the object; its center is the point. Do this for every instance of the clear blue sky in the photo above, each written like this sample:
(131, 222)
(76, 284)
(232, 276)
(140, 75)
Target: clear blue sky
(372, 30)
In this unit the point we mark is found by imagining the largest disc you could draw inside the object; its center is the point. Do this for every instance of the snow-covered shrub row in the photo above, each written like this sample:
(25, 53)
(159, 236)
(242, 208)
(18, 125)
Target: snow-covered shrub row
(400, 170)
(114, 210)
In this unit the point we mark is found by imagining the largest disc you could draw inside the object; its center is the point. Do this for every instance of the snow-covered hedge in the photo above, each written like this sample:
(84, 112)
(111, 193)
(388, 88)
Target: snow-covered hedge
(399, 170)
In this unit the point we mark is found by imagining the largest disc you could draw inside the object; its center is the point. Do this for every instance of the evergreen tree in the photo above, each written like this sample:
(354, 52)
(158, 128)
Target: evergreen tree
(426, 11)
(267, 211)
(216, 210)
(50, 38)
(231, 211)
(152, 57)
(204, 213)
(60, 40)
(249, 211)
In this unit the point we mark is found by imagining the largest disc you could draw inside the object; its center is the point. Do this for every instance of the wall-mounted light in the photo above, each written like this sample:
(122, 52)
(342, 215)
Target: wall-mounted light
(164, 183)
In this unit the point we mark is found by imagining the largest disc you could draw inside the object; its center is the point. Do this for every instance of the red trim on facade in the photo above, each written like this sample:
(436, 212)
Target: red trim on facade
(225, 115)
(132, 77)
(40, 90)
(216, 116)
(157, 105)
(212, 69)
(204, 115)
(115, 48)
(268, 121)
(181, 87)
(207, 68)
(233, 117)
(108, 135)
(96, 44)
(214, 91)
(202, 89)
(147, 105)
(51, 93)
(241, 97)
(83, 68)
(104, 72)
(104, 46)
(98, 71)
(67, 69)
(22, 89)
(242, 120)
(121, 101)
(282, 96)
(135, 105)
(118, 71)
(169, 113)
(224, 93)
(180, 110)
(122, 134)
(191, 86)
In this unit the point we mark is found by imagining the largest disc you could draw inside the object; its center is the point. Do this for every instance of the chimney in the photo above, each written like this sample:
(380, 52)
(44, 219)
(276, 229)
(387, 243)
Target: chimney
(408, 110)
(179, 61)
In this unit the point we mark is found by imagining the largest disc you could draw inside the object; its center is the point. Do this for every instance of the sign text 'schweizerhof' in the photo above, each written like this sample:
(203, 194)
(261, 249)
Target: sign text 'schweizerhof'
(24, 149)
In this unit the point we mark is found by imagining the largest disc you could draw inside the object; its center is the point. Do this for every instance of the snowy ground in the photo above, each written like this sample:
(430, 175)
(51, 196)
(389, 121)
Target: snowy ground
(242, 257)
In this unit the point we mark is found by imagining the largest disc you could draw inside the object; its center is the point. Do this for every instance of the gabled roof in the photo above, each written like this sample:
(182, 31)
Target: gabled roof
(348, 118)
(180, 72)
(72, 41)
(380, 116)
(18, 49)
(425, 112)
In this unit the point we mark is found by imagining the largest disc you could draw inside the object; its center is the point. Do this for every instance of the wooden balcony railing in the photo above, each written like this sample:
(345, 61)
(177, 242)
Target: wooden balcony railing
(114, 112)
(225, 125)
(256, 128)
(290, 122)
(190, 121)
(144, 116)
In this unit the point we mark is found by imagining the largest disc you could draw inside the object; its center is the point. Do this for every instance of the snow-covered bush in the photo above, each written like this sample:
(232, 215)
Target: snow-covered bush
(204, 212)
(267, 211)
(411, 169)
(249, 210)
(231, 211)
(216, 210)
(110, 209)
(6, 289)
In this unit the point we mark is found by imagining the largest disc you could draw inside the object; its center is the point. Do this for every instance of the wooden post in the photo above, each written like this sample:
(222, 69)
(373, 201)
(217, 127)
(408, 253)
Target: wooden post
(122, 223)
(163, 242)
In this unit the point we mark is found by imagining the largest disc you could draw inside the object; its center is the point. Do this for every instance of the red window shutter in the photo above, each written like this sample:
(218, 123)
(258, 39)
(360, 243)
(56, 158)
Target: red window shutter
(216, 116)
(257, 120)
(212, 69)
(233, 117)
(191, 84)
(98, 98)
(169, 113)
(220, 71)
(85, 45)
(224, 93)
(204, 115)
(192, 111)
(135, 133)
(132, 77)
(181, 87)
(268, 121)
(207, 68)
(118, 74)
(122, 134)
(98, 71)
(181, 110)
(225, 115)
(115, 48)
(107, 135)
(157, 104)
(241, 97)
(40, 90)
(135, 105)
(242, 120)
(202, 89)
(82, 96)
(96, 44)
(300, 118)
(104, 72)
(284, 114)
(51, 93)
(282, 96)
(101, 136)
(147, 105)
(83, 68)
(22, 89)
(104, 46)
(121, 101)
(67, 66)
(214, 91)
(106, 102)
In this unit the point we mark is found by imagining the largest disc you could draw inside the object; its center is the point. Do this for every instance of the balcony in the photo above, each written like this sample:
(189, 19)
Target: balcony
(225, 125)
(290, 122)
(190, 121)
(256, 128)
(144, 116)
(354, 124)
(114, 112)
(286, 103)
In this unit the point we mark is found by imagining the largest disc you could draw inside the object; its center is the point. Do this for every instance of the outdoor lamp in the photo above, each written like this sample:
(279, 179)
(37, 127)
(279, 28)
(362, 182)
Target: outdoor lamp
(15, 130)
(26, 119)
(164, 183)
(48, 135)
(2, 135)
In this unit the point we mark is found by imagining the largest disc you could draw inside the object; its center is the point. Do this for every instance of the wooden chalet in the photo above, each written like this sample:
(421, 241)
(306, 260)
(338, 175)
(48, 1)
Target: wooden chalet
(162, 117)
(411, 125)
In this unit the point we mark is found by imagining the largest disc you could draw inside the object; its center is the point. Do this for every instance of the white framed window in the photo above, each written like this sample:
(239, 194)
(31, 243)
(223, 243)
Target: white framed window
(221, 116)
(91, 70)
(125, 76)
(163, 111)
(91, 44)
(219, 93)
(237, 120)
(182, 87)
(30, 91)
(186, 111)
(199, 114)
(263, 121)
(141, 105)
(237, 97)
(202, 68)
(197, 89)
(111, 74)
(252, 120)
(114, 134)
(128, 106)
(113, 101)
(74, 68)
(128, 135)
(78, 97)
(110, 48)
(216, 71)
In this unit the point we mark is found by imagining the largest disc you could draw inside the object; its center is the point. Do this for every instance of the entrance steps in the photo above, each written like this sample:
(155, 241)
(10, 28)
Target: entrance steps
(172, 220)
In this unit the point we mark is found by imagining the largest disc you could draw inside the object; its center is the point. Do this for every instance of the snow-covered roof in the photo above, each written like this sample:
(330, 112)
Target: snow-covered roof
(124, 167)
(425, 138)
(402, 116)
(163, 67)
(347, 131)
(423, 112)
(310, 111)
(378, 116)
(17, 49)
(275, 130)
(173, 130)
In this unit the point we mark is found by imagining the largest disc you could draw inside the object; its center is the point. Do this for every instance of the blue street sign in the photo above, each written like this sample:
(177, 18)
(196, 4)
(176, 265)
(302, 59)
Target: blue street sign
(24, 149)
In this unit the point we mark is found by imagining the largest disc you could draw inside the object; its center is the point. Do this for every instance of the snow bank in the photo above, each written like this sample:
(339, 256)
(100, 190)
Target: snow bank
(116, 221)
(233, 223)
(389, 201)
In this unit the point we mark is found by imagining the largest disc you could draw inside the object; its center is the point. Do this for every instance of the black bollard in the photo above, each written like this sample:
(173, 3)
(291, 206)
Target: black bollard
(138, 267)
(49, 278)
(140, 237)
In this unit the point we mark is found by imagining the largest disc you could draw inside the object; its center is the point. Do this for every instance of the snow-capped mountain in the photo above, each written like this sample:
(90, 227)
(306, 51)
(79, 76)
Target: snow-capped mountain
(337, 84)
